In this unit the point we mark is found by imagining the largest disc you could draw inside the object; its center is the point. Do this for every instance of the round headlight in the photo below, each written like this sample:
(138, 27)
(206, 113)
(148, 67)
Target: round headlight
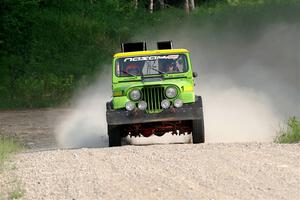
(142, 105)
(171, 92)
(135, 95)
(178, 103)
(129, 105)
(165, 104)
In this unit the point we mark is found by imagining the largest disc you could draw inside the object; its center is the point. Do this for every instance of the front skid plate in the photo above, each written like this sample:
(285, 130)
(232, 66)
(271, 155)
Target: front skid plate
(186, 112)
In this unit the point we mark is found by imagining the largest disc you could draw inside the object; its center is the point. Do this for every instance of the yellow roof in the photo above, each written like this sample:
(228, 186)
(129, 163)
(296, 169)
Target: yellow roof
(151, 52)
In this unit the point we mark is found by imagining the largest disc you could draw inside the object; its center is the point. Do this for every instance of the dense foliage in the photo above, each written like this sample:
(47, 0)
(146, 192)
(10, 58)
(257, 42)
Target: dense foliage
(47, 47)
(50, 47)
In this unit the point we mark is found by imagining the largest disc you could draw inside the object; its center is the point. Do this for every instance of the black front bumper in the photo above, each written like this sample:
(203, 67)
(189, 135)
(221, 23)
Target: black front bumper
(192, 111)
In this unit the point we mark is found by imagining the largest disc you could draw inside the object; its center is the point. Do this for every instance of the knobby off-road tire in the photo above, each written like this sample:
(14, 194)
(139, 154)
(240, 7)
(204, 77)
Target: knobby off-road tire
(114, 135)
(198, 131)
(198, 127)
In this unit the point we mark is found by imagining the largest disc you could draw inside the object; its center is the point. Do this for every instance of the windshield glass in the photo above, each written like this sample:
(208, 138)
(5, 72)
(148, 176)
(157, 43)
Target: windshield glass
(150, 65)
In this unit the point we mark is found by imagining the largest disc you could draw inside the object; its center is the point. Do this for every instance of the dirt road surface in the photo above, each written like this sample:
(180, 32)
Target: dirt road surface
(176, 171)
(33, 128)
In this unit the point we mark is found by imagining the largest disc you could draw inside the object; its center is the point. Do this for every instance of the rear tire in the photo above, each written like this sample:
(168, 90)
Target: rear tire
(114, 135)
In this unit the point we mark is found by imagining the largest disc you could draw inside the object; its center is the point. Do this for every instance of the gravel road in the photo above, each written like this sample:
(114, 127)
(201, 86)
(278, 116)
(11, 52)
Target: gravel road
(179, 171)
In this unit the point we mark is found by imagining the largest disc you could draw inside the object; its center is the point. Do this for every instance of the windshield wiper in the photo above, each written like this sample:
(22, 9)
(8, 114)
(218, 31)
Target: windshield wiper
(157, 70)
(128, 73)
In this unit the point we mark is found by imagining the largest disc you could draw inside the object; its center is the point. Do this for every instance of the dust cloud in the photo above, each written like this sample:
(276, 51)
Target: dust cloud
(264, 87)
(85, 125)
(249, 84)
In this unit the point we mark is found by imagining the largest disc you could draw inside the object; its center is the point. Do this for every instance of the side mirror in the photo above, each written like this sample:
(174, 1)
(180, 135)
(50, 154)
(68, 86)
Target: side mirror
(195, 74)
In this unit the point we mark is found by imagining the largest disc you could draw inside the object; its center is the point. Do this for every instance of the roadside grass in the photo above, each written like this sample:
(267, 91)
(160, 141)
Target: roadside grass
(290, 133)
(8, 146)
(16, 193)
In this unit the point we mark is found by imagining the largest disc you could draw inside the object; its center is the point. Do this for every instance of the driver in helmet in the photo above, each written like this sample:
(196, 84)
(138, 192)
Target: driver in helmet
(171, 67)
(132, 68)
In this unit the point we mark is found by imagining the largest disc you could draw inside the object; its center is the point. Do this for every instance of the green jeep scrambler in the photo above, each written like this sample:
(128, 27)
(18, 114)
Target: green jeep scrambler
(153, 93)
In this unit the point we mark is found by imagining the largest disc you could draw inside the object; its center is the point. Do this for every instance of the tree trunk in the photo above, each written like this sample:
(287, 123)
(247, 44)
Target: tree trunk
(186, 6)
(192, 5)
(162, 4)
(151, 6)
(136, 3)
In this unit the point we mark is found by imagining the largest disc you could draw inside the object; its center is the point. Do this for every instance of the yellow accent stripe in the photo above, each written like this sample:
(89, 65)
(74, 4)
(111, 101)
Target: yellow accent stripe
(188, 88)
(152, 52)
(117, 93)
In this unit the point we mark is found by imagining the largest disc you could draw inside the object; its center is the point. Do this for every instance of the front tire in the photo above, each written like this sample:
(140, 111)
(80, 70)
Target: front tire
(114, 135)
(198, 131)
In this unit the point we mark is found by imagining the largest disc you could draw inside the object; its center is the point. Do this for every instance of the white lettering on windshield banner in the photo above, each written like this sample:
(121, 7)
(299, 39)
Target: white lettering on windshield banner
(145, 58)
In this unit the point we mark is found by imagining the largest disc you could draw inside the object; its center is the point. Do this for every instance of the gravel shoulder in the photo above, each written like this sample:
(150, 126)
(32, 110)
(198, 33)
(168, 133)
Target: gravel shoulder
(179, 171)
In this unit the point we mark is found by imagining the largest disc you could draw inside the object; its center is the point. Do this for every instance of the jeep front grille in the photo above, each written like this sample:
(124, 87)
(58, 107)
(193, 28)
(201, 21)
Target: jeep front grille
(153, 96)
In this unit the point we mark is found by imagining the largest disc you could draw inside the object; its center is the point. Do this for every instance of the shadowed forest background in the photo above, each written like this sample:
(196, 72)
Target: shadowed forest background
(50, 48)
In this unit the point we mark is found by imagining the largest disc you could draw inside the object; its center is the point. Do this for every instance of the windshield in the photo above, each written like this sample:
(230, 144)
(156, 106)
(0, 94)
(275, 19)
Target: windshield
(151, 65)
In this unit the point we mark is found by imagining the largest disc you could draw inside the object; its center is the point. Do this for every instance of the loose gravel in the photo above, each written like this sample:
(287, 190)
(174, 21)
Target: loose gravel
(178, 171)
